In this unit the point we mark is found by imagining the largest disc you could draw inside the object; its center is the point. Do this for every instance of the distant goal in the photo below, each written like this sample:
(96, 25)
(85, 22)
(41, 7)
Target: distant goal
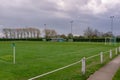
(110, 40)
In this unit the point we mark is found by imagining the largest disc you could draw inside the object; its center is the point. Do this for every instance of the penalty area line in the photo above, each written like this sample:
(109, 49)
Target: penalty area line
(5, 62)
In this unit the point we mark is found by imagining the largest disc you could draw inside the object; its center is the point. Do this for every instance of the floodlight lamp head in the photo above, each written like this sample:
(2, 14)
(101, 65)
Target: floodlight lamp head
(111, 16)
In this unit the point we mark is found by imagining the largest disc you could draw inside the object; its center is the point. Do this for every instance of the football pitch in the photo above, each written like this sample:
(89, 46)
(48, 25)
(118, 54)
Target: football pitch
(36, 58)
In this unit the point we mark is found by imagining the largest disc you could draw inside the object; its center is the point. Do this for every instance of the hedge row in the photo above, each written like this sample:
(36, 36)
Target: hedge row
(75, 40)
(93, 40)
(40, 39)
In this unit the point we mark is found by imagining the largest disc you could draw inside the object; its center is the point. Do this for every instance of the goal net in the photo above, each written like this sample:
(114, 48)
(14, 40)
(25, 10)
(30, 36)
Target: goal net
(110, 40)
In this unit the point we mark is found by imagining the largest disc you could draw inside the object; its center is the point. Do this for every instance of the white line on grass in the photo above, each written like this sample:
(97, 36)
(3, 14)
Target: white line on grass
(78, 51)
(5, 61)
(107, 51)
(84, 49)
(92, 56)
(98, 54)
(54, 70)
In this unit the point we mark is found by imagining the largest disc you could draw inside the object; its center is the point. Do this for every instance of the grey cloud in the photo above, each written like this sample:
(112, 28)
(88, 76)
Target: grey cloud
(57, 14)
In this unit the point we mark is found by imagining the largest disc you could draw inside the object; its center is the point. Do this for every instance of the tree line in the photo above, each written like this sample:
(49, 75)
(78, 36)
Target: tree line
(19, 33)
(25, 33)
(22, 33)
(94, 33)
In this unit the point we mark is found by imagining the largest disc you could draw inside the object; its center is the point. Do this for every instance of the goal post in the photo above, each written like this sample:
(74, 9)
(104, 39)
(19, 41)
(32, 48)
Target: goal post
(110, 40)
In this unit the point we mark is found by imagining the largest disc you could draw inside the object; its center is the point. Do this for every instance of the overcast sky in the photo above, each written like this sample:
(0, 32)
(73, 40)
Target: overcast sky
(57, 14)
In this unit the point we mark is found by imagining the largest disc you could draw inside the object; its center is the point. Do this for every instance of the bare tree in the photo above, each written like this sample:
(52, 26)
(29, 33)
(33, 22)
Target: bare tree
(107, 34)
(50, 33)
(5, 32)
(63, 36)
(21, 33)
(88, 33)
(70, 35)
(37, 33)
(53, 34)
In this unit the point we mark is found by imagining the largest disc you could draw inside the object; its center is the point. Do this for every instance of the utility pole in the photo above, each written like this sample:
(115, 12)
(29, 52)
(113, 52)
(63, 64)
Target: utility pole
(71, 26)
(45, 32)
(45, 26)
(112, 36)
(112, 18)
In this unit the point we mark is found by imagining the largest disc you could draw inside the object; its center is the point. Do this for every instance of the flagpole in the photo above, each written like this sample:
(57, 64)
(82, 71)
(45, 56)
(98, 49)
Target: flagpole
(14, 53)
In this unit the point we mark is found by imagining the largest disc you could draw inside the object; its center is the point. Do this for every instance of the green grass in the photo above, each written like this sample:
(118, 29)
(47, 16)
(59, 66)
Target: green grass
(117, 75)
(35, 58)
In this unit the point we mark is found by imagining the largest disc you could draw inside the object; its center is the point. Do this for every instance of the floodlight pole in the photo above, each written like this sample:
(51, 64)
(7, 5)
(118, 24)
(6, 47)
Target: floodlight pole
(71, 25)
(45, 25)
(45, 30)
(112, 17)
